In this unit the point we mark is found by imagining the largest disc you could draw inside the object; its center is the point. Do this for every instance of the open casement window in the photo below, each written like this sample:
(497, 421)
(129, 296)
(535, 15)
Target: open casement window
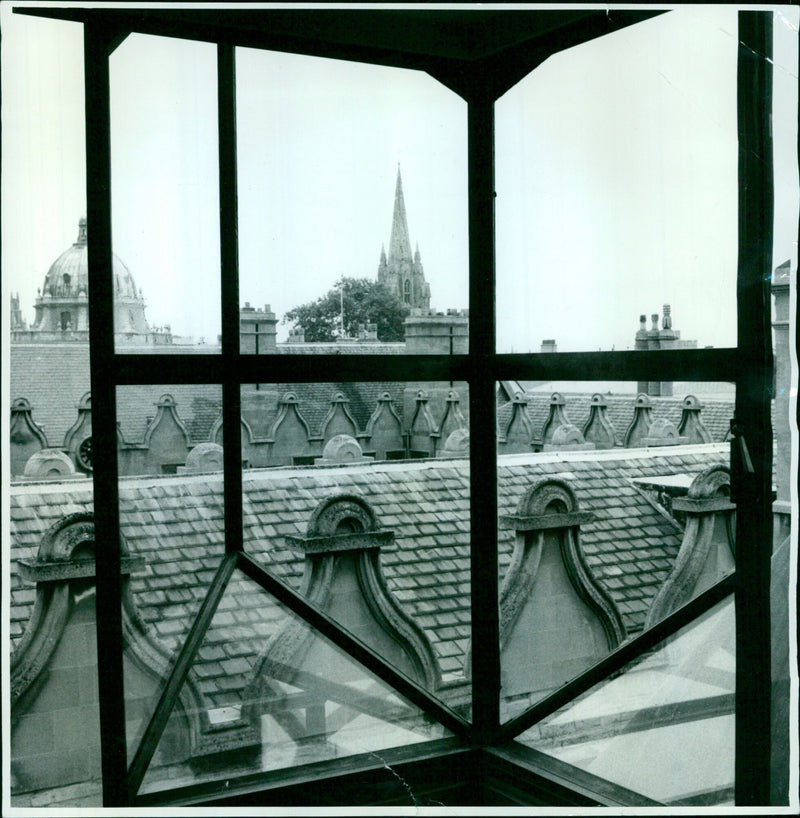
(379, 712)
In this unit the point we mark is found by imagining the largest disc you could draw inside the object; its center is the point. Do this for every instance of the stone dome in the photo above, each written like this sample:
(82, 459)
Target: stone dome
(68, 275)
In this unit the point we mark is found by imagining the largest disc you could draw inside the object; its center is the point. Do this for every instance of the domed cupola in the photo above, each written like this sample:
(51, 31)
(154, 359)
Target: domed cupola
(62, 306)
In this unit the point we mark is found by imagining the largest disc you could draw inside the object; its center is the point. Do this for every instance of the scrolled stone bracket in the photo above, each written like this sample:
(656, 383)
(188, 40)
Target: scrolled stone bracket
(539, 522)
(703, 506)
(60, 571)
(334, 543)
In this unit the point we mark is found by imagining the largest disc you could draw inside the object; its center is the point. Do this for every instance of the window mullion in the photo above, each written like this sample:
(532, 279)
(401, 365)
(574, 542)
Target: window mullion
(111, 693)
(229, 288)
(751, 475)
(483, 453)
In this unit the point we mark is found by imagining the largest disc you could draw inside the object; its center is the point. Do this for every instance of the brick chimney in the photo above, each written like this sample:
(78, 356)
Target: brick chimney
(655, 339)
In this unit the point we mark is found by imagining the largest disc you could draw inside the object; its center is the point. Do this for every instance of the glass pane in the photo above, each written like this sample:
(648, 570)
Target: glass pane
(266, 692)
(50, 672)
(664, 728)
(172, 522)
(352, 204)
(165, 195)
(614, 511)
(357, 494)
(617, 191)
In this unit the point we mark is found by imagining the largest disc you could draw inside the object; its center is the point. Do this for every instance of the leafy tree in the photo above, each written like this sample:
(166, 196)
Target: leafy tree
(365, 302)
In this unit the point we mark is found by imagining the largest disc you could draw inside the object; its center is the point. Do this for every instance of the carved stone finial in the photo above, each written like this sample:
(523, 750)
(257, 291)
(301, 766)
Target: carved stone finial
(340, 450)
(205, 457)
(557, 417)
(598, 429)
(456, 445)
(567, 437)
(691, 425)
(642, 421)
(518, 434)
(49, 464)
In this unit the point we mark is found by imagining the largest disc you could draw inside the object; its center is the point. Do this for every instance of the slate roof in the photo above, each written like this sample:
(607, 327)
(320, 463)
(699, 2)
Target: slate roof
(53, 377)
(176, 523)
(716, 414)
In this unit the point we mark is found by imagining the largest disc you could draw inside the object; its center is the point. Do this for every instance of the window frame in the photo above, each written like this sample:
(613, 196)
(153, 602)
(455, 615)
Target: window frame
(480, 82)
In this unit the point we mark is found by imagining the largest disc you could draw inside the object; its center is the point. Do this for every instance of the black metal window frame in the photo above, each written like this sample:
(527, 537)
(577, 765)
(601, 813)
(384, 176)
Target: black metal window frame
(480, 81)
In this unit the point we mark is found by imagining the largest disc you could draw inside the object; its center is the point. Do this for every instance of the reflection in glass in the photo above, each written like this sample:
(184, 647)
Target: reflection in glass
(172, 520)
(266, 692)
(614, 511)
(165, 208)
(663, 728)
(352, 204)
(616, 191)
(387, 465)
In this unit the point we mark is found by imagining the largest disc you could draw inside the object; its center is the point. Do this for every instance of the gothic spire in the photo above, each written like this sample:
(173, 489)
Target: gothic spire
(400, 244)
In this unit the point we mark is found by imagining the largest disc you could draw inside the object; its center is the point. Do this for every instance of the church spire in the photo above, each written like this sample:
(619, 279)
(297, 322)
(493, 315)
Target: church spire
(401, 273)
(400, 243)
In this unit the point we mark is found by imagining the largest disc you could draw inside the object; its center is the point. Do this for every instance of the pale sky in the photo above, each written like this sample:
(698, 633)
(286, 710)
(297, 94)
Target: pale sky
(616, 176)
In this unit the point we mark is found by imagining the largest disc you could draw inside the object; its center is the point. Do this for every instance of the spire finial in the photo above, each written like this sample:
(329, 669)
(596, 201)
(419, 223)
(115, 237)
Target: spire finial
(399, 244)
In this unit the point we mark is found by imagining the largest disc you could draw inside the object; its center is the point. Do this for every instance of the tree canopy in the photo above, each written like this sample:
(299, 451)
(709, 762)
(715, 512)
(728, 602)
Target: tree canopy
(364, 301)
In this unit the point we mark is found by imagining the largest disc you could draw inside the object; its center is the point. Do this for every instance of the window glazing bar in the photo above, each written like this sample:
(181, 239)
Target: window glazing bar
(168, 368)
(686, 365)
(173, 684)
(627, 652)
(485, 652)
(108, 603)
(751, 482)
(723, 364)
